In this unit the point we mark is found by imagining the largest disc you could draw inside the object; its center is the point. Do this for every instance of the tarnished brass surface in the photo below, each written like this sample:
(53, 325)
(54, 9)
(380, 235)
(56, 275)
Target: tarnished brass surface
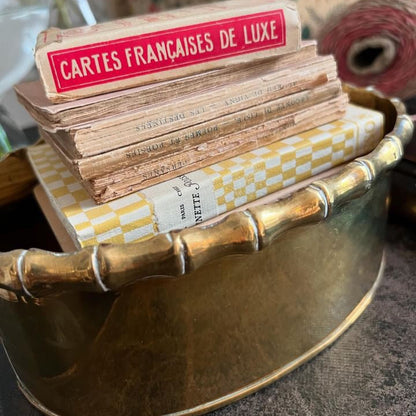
(274, 375)
(165, 345)
(105, 331)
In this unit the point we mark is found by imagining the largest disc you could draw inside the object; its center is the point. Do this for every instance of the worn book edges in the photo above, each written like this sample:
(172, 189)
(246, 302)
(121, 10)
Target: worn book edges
(91, 60)
(137, 176)
(206, 193)
(185, 139)
(151, 121)
(60, 116)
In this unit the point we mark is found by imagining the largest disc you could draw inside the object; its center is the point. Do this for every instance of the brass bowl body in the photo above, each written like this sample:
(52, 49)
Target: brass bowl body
(189, 344)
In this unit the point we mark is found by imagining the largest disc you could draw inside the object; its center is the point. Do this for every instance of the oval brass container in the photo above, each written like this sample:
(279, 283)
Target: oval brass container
(109, 330)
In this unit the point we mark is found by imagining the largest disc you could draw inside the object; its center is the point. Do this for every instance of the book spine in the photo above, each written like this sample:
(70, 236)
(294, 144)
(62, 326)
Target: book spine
(184, 139)
(147, 123)
(127, 53)
(139, 176)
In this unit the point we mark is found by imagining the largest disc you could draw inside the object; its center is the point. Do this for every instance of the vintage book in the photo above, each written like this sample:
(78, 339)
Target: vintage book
(208, 192)
(91, 60)
(140, 175)
(181, 140)
(69, 244)
(154, 120)
(125, 181)
(53, 116)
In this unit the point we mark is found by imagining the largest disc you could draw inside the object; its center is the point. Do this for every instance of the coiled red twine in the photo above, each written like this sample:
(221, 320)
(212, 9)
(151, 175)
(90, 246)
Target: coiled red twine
(374, 43)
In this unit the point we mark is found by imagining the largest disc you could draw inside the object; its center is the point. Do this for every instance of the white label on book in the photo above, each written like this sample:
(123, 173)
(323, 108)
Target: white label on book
(183, 201)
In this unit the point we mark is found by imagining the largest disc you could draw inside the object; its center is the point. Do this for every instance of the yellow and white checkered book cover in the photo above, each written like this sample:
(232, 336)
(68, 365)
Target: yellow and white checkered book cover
(123, 220)
(200, 195)
(267, 169)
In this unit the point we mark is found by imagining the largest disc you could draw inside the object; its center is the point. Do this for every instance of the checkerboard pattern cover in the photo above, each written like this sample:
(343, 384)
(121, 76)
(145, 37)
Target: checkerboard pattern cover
(200, 195)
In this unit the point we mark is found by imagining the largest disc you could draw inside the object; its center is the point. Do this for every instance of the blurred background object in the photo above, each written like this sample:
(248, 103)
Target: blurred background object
(374, 42)
(11, 136)
(70, 13)
(123, 8)
(315, 14)
(20, 23)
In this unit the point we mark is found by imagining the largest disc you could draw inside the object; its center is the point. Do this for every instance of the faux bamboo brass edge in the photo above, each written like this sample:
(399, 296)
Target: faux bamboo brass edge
(31, 274)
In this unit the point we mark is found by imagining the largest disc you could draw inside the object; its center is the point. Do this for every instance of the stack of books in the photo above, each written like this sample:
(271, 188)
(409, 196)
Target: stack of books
(201, 110)
(204, 194)
(256, 84)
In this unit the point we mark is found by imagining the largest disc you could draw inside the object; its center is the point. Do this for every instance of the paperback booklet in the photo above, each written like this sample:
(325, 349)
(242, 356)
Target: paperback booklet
(136, 126)
(60, 116)
(182, 140)
(91, 60)
(195, 197)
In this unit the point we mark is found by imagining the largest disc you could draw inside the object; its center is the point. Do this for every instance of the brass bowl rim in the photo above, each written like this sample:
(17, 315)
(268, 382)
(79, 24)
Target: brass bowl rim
(107, 267)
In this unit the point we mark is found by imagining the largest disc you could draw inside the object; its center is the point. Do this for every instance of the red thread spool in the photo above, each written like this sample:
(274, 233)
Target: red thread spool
(374, 43)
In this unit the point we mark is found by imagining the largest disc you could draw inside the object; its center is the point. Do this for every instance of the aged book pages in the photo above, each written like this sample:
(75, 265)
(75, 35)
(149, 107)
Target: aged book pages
(152, 121)
(87, 61)
(182, 140)
(53, 116)
(198, 196)
(136, 177)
